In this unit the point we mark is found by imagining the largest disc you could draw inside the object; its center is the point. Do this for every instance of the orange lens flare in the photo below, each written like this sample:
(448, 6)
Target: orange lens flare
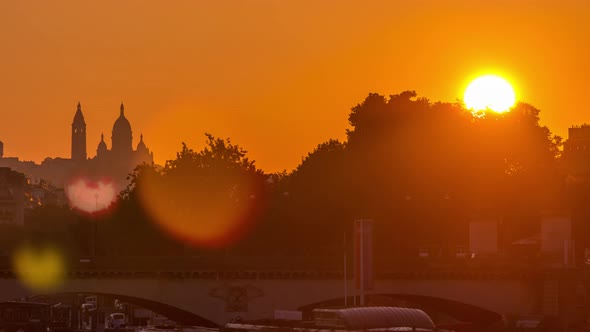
(201, 218)
(91, 196)
(40, 269)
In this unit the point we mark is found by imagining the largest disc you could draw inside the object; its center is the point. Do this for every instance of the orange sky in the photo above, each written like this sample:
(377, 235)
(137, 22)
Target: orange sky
(277, 77)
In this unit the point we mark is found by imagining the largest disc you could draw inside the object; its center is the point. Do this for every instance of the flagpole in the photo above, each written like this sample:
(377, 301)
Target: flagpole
(362, 259)
(345, 278)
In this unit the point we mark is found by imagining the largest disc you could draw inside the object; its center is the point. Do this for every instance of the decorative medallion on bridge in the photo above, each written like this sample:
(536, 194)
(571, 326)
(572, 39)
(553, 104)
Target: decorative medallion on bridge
(236, 297)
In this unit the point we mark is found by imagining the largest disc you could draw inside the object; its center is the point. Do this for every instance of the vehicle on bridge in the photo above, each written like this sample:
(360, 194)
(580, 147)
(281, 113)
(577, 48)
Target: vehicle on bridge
(116, 321)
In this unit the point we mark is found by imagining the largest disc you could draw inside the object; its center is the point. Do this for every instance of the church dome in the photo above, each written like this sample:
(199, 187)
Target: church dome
(122, 126)
(141, 145)
(122, 138)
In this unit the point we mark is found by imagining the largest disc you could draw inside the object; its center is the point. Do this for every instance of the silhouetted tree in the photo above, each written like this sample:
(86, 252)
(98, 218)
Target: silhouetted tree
(202, 190)
(313, 202)
(424, 169)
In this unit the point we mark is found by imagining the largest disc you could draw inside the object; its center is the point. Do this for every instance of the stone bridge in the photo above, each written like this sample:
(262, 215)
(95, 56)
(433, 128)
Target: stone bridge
(223, 296)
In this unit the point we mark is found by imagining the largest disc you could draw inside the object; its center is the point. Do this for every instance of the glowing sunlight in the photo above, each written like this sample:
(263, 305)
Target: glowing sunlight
(489, 92)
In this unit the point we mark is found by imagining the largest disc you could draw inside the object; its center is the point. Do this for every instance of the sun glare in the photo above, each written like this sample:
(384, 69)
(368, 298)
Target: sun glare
(489, 92)
(91, 196)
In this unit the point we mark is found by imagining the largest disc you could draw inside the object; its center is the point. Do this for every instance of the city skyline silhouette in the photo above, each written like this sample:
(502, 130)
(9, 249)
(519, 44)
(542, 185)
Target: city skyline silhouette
(114, 163)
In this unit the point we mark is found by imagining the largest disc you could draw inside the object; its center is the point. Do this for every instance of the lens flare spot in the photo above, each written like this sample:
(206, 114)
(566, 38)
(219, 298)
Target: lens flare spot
(211, 219)
(91, 196)
(39, 269)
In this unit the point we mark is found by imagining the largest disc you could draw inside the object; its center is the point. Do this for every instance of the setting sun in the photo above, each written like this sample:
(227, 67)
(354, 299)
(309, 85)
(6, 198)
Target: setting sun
(489, 92)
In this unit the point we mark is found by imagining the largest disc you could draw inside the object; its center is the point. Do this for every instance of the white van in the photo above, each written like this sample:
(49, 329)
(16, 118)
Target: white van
(117, 321)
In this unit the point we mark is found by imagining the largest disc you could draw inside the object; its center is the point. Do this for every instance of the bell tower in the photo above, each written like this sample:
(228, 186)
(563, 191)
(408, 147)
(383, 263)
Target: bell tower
(79, 136)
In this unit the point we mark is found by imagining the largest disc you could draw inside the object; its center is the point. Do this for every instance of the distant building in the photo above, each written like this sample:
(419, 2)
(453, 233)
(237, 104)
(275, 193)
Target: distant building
(79, 136)
(578, 138)
(483, 236)
(43, 193)
(121, 158)
(576, 151)
(114, 164)
(12, 197)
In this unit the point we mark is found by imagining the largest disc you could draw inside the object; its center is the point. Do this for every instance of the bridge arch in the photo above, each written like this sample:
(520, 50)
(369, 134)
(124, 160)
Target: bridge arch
(178, 315)
(224, 299)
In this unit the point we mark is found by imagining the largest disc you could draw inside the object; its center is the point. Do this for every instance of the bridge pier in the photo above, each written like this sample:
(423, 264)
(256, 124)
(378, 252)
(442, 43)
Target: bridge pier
(565, 296)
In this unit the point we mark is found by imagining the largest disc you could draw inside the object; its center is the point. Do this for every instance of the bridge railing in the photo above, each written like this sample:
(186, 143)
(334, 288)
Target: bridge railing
(214, 266)
(209, 262)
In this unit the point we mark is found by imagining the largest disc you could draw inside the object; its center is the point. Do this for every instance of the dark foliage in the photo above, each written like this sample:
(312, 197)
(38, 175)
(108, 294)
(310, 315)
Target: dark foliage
(422, 170)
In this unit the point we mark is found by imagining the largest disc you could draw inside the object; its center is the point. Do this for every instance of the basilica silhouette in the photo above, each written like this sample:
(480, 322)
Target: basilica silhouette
(121, 154)
(113, 164)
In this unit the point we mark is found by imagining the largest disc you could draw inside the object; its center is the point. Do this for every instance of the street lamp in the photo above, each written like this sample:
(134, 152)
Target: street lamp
(94, 228)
